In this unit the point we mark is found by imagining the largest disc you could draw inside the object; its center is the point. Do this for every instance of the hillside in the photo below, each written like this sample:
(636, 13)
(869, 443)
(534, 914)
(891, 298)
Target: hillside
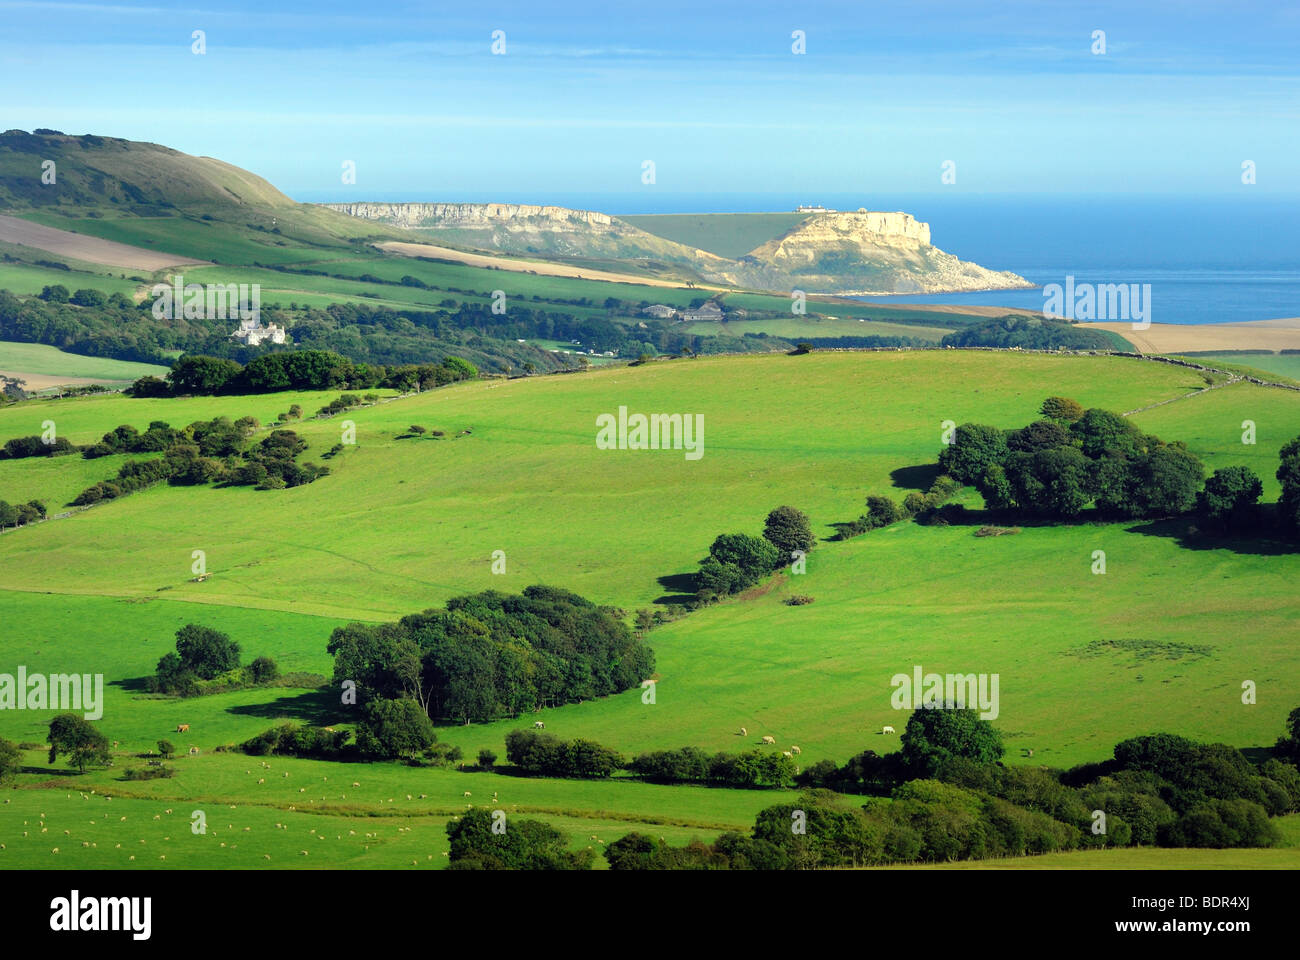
(400, 525)
(862, 253)
(114, 179)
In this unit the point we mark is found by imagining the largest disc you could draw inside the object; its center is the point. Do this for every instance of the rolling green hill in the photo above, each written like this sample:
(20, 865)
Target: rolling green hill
(402, 525)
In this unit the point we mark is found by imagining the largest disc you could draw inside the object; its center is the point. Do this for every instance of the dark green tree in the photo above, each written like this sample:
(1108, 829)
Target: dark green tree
(937, 734)
(394, 728)
(1229, 498)
(206, 652)
(789, 530)
(79, 739)
(974, 448)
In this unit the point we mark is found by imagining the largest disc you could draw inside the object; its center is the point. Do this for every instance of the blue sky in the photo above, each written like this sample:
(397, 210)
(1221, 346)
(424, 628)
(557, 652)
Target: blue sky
(711, 92)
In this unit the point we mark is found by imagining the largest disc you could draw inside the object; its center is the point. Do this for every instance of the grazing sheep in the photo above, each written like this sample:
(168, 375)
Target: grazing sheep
(886, 729)
(467, 793)
(182, 728)
(538, 725)
(796, 751)
(194, 751)
(771, 740)
(787, 753)
(744, 732)
(355, 784)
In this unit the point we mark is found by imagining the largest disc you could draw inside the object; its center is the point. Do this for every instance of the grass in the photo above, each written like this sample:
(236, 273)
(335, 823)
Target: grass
(27, 279)
(1083, 660)
(38, 358)
(726, 234)
(1285, 365)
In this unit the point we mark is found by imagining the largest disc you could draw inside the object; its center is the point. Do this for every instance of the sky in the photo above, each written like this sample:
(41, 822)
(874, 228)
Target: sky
(1008, 97)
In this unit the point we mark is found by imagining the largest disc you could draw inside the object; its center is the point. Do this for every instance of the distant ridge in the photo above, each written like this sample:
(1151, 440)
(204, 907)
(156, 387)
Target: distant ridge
(846, 253)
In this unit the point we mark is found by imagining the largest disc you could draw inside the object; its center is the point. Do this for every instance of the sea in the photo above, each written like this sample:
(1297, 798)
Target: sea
(1225, 258)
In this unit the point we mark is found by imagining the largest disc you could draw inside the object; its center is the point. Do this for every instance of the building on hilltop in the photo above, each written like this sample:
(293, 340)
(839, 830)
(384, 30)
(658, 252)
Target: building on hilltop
(812, 208)
(660, 311)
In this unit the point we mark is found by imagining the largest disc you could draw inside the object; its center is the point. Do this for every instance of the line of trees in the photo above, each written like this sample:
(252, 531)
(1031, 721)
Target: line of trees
(1030, 333)
(21, 514)
(211, 451)
(198, 375)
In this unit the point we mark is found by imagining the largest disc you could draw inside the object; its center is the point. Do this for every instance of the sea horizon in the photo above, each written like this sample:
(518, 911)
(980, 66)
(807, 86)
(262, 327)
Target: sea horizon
(1219, 258)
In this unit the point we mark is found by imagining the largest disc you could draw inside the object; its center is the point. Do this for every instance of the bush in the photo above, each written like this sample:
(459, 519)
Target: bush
(166, 748)
(486, 758)
(542, 754)
(163, 772)
(263, 670)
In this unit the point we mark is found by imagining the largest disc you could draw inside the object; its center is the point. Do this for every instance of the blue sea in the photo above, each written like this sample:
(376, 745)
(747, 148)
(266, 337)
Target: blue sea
(1220, 259)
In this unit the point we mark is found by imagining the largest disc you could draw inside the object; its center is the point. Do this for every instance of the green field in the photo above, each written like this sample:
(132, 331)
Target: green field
(402, 525)
(28, 278)
(38, 358)
(1283, 364)
(729, 235)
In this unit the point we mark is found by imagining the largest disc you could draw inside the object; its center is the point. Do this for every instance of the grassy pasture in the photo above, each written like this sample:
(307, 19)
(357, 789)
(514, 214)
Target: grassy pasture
(1286, 365)
(400, 525)
(726, 234)
(39, 358)
(27, 278)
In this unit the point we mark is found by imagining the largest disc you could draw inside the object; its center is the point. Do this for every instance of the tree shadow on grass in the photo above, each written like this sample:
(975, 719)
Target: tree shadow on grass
(682, 586)
(314, 707)
(920, 477)
(53, 771)
(1186, 533)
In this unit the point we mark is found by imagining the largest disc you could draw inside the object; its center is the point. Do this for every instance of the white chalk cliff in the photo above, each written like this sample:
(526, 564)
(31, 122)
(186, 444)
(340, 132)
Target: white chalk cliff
(862, 253)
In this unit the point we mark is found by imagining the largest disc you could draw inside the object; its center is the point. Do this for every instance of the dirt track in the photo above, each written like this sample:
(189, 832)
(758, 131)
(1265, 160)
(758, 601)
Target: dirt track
(91, 249)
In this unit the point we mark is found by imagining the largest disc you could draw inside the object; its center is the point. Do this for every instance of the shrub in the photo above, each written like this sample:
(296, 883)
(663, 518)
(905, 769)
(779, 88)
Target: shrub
(263, 670)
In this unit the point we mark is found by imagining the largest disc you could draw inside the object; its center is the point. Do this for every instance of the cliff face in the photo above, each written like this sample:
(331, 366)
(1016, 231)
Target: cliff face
(863, 253)
(525, 228)
(444, 215)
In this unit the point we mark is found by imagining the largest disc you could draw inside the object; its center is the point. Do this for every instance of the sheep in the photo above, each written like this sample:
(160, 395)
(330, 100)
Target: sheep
(886, 729)
(467, 793)
(182, 728)
(787, 753)
(771, 740)
(744, 732)
(796, 751)
(538, 725)
(355, 784)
